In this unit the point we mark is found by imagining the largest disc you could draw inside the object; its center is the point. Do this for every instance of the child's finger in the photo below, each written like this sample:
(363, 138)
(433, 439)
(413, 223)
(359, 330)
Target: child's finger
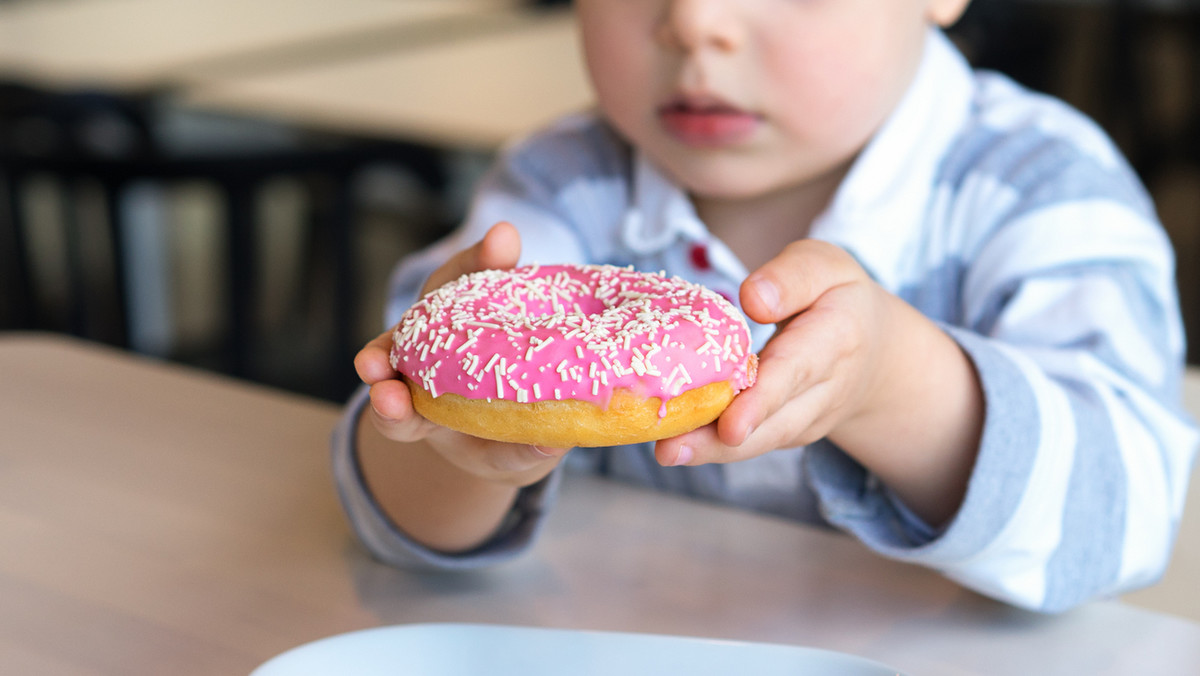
(838, 332)
(500, 248)
(703, 445)
(393, 414)
(793, 280)
(372, 363)
(790, 364)
(504, 461)
(803, 354)
(508, 463)
(681, 450)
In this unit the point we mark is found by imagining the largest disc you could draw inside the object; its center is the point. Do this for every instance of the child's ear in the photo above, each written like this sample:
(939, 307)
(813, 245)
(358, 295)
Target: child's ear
(945, 12)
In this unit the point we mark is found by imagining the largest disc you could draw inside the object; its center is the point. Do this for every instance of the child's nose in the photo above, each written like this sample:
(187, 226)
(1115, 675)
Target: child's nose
(691, 25)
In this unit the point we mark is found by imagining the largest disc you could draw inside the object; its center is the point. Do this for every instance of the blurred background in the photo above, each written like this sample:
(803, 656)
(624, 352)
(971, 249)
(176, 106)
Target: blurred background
(227, 185)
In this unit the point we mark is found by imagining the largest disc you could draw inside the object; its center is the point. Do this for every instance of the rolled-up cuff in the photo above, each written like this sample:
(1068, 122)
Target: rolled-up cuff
(853, 500)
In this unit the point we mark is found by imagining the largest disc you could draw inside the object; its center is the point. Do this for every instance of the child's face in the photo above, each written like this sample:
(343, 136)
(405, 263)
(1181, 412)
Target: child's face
(742, 98)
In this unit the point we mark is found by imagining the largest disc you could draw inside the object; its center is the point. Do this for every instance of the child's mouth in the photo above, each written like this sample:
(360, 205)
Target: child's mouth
(707, 124)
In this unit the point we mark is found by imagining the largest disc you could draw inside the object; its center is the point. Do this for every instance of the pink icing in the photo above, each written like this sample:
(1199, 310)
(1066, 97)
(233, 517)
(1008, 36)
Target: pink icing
(540, 333)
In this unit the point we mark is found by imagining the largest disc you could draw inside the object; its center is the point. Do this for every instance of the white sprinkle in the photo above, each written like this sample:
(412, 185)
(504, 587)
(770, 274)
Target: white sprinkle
(499, 385)
(671, 378)
(537, 391)
(709, 341)
(579, 352)
(467, 343)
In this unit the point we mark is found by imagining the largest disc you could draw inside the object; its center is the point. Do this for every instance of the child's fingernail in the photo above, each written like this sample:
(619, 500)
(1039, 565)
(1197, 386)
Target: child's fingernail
(685, 456)
(767, 292)
(542, 452)
(749, 431)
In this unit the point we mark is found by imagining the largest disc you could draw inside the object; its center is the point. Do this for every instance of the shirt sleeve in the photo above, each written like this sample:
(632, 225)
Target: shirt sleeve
(527, 187)
(1071, 321)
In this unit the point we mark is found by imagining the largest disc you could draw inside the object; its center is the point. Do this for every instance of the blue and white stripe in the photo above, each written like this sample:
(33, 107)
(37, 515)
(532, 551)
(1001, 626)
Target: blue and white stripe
(1003, 215)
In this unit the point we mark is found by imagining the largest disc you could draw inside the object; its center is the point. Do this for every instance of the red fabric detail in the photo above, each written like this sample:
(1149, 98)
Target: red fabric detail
(699, 254)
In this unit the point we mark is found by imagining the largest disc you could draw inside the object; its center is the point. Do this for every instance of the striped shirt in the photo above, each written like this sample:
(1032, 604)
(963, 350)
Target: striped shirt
(1003, 215)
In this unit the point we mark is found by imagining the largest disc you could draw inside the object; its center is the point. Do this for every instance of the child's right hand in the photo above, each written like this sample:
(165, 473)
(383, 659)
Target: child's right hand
(392, 413)
(853, 363)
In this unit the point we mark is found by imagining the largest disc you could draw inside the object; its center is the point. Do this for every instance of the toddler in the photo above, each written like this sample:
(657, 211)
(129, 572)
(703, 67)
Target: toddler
(964, 307)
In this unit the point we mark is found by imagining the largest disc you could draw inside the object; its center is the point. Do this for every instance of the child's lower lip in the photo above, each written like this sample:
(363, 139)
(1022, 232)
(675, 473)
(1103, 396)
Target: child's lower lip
(708, 128)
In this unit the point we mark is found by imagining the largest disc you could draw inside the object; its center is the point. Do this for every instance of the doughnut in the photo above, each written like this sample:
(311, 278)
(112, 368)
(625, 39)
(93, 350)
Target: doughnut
(572, 355)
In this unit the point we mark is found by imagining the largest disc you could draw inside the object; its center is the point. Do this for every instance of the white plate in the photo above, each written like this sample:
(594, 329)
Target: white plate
(475, 649)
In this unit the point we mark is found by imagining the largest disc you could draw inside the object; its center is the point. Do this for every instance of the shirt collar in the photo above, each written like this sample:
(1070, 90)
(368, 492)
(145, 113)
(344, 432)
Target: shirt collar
(661, 212)
(885, 196)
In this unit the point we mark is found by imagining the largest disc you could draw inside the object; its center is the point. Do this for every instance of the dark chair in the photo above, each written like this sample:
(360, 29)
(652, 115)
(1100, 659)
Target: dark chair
(86, 141)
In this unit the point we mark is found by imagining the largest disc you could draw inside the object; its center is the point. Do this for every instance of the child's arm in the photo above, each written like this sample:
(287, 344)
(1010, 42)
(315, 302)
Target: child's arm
(856, 364)
(445, 490)
(1077, 479)
(526, 184)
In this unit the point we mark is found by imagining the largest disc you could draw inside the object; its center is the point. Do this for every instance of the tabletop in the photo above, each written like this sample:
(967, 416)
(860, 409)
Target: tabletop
(156, 519)
(131, 44)
(476, 92)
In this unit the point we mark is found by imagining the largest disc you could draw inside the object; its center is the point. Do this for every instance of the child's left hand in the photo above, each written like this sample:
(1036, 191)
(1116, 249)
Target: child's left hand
(818, 368)
(852, 362)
